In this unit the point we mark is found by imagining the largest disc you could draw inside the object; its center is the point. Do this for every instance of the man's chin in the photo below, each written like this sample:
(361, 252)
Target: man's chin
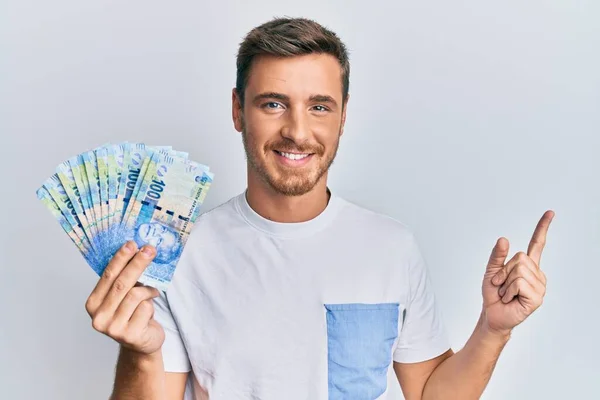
(288, 181)
(291, 188)
(292, 191)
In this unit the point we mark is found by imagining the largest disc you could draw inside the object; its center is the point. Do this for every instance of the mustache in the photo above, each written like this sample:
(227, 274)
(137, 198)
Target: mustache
(291, 148)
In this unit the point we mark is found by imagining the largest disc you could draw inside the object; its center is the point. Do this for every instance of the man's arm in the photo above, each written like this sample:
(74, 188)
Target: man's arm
(124, 311)
(511, 292)
(141, 376)
(413, 376)
(463, 375)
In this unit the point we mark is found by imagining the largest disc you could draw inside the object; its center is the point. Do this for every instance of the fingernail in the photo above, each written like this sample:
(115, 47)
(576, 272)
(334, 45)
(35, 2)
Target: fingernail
(147, 251)
(501, 292)
(129, 247)
(496, 279)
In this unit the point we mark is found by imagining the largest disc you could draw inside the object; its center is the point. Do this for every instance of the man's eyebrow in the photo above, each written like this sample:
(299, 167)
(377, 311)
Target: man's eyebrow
(272, 95)
(323, 98)
(315, 98)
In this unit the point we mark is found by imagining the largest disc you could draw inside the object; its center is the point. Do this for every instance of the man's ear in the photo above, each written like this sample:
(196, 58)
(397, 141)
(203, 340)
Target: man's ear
(345, 107)
(236, 111)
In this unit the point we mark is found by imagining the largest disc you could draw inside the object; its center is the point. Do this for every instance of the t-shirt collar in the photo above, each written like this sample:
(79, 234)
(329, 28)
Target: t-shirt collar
(288, 229)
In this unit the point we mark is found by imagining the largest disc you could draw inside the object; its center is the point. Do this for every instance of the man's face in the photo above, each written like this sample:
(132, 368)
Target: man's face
(292, 120)
(157, 235)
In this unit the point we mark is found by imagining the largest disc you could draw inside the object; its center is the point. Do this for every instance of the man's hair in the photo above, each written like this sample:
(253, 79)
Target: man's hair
(288, 37)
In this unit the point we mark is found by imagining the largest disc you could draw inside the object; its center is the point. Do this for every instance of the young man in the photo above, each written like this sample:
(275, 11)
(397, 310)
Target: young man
(288, 291)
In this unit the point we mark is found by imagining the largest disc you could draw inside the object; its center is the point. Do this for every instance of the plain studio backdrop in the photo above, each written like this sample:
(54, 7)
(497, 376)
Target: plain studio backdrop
(467, 120)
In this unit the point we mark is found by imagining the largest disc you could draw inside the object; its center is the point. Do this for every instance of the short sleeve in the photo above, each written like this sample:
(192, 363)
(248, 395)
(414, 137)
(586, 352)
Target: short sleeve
(174, 354)
(423, 334)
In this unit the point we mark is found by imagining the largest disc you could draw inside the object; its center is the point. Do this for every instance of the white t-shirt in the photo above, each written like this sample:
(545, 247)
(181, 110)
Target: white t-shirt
(312, 310)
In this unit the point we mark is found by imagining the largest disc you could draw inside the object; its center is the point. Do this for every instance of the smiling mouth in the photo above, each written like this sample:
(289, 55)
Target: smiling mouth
(293, 156)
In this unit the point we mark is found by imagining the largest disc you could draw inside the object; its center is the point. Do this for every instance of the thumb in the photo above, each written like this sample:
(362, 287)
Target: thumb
(498, 256)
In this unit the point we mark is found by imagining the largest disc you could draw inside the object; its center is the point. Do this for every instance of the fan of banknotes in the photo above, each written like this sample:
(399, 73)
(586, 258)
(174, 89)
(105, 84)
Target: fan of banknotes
(128, 191)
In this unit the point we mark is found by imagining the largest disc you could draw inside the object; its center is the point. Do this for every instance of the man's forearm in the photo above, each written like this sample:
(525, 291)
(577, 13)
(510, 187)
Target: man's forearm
(465, 374)
(139, 376)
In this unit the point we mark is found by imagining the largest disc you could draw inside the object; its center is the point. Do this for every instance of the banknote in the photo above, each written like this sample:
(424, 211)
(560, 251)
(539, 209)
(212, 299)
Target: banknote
(102, 170)
(163, 213)
(114, 161)
(77, 171)
(135, 184)
(59, 195)
(136, 180)
(133, 158)
(93, 185)
(67, 179)
(128, 191)
(50, 204)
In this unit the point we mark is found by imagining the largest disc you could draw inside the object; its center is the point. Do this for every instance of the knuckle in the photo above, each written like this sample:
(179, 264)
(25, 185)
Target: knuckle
(89, 306)
(114, 333)
(147, 306)
(107, 275)
(521, 256)
(520, 269)
(133, 296)
(98, 324)
(119, 285)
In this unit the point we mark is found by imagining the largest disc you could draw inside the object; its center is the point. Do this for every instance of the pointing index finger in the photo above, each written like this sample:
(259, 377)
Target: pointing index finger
(538, 240)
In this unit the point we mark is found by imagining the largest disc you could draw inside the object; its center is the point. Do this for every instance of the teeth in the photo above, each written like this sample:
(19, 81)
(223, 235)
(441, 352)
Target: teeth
(294, 156)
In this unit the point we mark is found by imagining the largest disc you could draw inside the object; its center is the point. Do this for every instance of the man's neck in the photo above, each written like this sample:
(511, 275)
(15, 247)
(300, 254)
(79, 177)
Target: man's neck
(280, 208)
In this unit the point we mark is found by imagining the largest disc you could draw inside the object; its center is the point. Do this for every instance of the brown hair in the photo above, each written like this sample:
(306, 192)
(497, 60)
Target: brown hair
(287, 37)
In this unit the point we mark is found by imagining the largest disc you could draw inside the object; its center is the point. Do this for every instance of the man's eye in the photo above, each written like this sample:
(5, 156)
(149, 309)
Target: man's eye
(321, 108)
(271, 105)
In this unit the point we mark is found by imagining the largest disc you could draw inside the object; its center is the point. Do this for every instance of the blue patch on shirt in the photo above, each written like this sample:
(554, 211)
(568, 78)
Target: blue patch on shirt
(359, 344)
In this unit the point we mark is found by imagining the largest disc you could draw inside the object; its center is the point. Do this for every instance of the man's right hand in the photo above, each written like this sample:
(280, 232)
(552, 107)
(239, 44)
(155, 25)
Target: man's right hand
(123, 310)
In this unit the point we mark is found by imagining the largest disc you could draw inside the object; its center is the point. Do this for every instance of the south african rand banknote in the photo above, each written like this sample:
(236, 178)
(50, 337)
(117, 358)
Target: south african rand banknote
(164, 211)
(128, 191)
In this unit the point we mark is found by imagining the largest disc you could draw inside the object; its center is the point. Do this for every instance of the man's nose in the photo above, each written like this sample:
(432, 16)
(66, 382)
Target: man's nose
(296, 127)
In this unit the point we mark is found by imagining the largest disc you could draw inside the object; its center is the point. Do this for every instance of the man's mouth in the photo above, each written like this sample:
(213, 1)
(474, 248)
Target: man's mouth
(293, 156)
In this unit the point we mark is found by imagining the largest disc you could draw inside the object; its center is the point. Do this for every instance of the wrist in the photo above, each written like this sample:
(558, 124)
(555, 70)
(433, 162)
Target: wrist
(499, 335)
(141, 361)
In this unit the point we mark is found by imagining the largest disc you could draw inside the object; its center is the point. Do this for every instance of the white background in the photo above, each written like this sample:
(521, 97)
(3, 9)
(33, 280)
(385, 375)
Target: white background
(467, 120)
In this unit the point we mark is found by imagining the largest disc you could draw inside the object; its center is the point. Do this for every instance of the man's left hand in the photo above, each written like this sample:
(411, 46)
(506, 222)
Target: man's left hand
(512, 291)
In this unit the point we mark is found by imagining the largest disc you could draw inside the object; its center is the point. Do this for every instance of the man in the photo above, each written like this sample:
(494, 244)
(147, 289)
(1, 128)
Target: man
(164, 239)
(288, 291)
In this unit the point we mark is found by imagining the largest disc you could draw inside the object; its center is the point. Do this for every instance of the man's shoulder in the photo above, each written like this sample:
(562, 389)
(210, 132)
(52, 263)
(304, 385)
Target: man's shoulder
(374, 222)
(215, 223)
(224, 209)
